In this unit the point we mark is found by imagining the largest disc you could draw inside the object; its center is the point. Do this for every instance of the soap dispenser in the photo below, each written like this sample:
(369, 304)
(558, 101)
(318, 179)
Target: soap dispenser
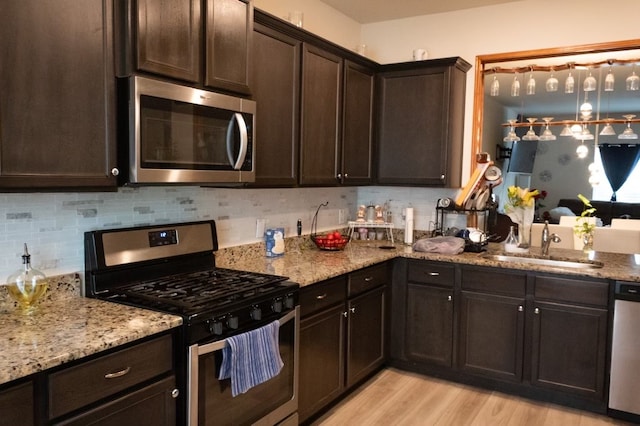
(27, 285)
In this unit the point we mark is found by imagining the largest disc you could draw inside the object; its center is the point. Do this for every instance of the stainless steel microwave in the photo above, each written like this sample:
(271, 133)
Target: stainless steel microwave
(182, 135)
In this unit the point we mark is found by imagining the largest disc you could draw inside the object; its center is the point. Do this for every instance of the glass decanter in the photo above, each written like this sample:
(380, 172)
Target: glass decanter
(27, 285)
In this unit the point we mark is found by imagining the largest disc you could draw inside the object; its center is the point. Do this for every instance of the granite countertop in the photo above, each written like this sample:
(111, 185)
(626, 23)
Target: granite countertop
(67, 327)
(305, 264)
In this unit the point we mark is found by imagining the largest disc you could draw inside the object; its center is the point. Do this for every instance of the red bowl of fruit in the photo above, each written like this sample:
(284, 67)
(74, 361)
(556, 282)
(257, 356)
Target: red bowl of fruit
(330, 241)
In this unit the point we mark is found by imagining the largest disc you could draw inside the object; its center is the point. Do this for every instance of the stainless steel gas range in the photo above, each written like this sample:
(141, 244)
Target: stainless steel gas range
(171, 268)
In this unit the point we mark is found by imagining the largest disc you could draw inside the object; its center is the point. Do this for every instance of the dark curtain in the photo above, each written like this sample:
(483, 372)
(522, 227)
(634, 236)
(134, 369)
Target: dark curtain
(618, 162)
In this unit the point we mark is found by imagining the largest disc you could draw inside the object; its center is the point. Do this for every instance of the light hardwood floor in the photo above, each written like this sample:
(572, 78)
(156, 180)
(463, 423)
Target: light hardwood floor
(395, 397)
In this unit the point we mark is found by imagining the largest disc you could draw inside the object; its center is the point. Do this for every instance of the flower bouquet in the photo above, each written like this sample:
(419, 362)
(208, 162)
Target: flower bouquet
(520, 207)
(585, 224)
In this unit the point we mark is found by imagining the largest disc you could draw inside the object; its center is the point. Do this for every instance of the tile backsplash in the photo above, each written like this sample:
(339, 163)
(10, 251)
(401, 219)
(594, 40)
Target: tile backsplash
(53, 225)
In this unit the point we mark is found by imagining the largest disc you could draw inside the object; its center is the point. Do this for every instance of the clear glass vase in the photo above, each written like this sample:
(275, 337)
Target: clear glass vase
(524, 236)
(587, 241)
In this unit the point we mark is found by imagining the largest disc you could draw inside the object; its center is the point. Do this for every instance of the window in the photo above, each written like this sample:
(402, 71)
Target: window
(628, 193)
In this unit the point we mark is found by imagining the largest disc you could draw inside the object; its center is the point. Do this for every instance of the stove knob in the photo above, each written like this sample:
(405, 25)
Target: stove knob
(277, 305)
(215, 327)
(232, 322)
(288, 302)
(256, 313)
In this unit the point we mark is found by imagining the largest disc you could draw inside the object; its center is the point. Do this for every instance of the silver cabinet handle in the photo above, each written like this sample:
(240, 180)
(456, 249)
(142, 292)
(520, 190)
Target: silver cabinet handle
(175, 393)
(115, 171)
(117, 373)
(442, 177)
(321, 296)
(449, 298)
(536, 311)
(520, 308)
(433, 274)
(346, 175)
(344, 314)
(367, 279)
(353, 310)
(339, 176)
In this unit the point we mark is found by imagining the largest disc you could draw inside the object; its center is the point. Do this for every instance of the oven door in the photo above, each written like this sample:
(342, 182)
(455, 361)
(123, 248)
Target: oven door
(210, 401)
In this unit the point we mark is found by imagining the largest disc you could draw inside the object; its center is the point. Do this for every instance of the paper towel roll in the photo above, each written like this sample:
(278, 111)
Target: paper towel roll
(408, 227)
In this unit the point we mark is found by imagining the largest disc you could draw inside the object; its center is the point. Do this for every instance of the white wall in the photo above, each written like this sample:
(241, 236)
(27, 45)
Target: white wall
(319, 18)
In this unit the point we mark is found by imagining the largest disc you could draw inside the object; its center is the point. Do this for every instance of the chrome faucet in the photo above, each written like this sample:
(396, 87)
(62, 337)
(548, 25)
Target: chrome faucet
(547, 239)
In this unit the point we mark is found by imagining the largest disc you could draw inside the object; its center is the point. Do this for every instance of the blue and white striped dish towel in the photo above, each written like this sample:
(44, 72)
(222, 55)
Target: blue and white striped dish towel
(251, 358)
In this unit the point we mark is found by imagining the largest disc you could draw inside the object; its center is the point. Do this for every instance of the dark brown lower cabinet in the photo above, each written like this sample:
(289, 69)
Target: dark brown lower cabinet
(492, 335)
(366, 329)
(429, 332)
(152, 405)
(343, 335)
(540, 335)
(17, 405)
(570, 339)
(321, 360)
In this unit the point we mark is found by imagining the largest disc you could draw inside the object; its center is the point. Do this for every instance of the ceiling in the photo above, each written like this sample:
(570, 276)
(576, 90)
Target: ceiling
(369, 11)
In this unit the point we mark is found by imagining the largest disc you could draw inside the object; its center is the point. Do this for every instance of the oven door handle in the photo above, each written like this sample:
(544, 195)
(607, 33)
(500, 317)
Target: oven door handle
(218, 345)
(236, 163)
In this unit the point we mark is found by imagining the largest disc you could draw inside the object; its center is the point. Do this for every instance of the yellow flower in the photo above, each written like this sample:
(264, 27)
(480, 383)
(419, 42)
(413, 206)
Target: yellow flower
(521, 197)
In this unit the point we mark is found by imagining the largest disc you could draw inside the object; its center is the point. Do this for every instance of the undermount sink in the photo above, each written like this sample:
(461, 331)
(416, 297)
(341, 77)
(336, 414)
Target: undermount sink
(551, 261)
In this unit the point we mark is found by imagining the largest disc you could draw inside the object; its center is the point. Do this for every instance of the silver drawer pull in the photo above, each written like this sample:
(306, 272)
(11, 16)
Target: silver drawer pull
(322, 296)
(433, 274)
(117, 373)
(367, 279)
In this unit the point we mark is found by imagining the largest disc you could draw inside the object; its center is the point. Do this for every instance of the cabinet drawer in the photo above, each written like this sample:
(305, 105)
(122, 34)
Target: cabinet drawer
(571, 290)
(319, 296)
(77, 386)
(492, 281)
(16, 405)
(368, 278)
(431, 273)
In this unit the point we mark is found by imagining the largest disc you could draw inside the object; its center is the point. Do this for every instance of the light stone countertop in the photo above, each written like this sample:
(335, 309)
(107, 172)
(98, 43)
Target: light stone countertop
(67, 327)
(305, 264)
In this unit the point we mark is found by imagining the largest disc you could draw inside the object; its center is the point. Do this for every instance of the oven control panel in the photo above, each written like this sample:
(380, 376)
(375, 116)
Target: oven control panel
(244, 319)
(164, 237)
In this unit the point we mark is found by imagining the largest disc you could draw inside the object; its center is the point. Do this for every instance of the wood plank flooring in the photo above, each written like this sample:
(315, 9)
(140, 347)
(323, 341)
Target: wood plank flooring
(395, 397)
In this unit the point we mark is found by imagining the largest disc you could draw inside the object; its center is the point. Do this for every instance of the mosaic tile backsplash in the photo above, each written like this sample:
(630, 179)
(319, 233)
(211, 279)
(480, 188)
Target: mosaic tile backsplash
(53, 225)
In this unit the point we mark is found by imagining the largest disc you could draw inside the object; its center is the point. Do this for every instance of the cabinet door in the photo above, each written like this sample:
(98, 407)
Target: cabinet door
(321, 89)
(569, 348)
(420, 122)
(366, 334)
(229, 31)
(16, 405)
(491, 335)
(356, 166)
(151, 405)
(321, 360)
(57, 95)
(276, 89)
(429, 324)
(169, 38)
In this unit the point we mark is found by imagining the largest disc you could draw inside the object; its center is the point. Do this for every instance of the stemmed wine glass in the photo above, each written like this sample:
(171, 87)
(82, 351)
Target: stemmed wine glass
(628, 132)
(531, 135)
(633, 81)
(511, 136)
(608, 130)
(546, 134)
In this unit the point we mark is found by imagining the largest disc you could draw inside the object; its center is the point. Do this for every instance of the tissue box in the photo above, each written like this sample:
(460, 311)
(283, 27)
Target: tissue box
(274, 241)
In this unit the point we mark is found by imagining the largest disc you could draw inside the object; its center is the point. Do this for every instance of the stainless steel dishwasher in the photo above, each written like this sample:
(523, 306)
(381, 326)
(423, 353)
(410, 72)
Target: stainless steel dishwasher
(624, 387)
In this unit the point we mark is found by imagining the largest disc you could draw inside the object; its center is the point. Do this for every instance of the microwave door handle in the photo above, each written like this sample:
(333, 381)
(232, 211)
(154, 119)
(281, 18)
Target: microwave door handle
(236, 163)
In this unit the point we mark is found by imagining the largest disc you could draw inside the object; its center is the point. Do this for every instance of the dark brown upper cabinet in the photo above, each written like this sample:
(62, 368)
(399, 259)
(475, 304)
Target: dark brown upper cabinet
(276, 87)
(57, 96)
(420, 122)
(201, 41)
(320, 116)
(357, 125)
